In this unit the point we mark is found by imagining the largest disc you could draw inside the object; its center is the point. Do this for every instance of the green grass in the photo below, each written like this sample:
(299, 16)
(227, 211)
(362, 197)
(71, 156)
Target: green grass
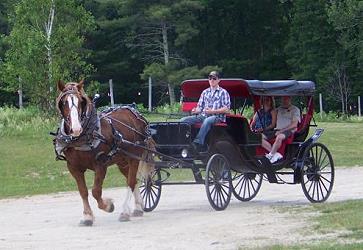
(344, 140)
(27, 162)
(343, 219)
(318, 246)
(28, 166)
(347, 216)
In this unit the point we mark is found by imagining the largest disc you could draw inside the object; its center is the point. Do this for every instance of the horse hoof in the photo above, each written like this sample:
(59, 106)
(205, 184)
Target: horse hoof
(86, 223)
(112, 208)
(124, 217)
(138, 213)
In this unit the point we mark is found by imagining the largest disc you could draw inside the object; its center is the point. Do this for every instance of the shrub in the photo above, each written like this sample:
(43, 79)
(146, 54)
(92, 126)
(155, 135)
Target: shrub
(13, 120)
(336, 117)
(168, 109)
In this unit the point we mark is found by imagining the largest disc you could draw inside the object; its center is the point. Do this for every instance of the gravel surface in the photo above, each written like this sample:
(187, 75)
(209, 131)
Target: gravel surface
(183, 219)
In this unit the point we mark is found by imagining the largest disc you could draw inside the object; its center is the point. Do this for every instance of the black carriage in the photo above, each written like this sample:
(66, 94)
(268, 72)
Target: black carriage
(235, 162)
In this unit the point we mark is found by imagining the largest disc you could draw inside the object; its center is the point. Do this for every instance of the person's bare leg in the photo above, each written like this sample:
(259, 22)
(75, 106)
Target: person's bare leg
(266, 145)
(277, 143)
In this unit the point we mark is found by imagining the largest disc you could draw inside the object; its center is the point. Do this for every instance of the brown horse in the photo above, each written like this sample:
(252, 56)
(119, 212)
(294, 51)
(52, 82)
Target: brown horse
(88, 141)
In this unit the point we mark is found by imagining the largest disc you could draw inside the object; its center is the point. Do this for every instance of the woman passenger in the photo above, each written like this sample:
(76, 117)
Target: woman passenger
(264, 120)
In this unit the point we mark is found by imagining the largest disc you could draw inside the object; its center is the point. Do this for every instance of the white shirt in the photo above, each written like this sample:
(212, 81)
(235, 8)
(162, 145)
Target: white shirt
(286, 115)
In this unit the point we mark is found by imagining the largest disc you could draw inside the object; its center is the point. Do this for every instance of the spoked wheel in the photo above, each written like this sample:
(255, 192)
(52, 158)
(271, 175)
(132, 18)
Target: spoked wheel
(245, 186)
(150, 191)
(317, 173)
(218, 182)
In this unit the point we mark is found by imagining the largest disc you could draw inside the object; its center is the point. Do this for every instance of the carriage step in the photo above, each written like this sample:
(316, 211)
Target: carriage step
(267, 168)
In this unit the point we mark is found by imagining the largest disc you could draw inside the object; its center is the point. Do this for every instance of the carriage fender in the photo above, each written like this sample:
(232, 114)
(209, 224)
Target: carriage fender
(229, 150)
(303, 146)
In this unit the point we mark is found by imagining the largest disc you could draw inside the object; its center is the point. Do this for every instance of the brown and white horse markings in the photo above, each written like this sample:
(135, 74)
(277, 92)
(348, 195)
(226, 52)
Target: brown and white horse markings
(73, 105)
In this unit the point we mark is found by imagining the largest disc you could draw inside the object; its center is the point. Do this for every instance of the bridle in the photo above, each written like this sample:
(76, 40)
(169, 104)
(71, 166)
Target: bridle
(62, 99)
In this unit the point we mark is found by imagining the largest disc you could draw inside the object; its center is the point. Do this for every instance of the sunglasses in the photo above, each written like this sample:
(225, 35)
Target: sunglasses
(212, 77)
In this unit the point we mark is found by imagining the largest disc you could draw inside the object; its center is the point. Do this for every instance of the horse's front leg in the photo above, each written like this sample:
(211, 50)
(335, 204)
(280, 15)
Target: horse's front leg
(105, 204)
(88, 217)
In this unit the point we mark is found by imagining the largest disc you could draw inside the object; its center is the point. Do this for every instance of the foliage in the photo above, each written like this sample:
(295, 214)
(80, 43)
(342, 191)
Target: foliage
(172, 40)
(168, 109)
(311, 40)
(93, 88)
(16, 121)
(332, 116)
(173, 74)
(43, 50)
(346, 18)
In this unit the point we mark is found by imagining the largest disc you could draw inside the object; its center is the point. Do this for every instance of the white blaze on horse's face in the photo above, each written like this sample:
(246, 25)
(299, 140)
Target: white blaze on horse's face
(76, 127)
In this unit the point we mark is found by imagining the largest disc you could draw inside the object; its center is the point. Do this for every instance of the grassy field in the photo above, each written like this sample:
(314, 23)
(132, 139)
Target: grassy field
(344, 219)
(28, 166)
(344, 140)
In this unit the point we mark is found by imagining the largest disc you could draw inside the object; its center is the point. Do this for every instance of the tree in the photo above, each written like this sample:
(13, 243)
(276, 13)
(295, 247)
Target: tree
(245, 37)
(347, 20)
(161, 27)
(45, 44)
(110, 55)
(311, 42)
(172, 74)
(5, 6)
(340, 87)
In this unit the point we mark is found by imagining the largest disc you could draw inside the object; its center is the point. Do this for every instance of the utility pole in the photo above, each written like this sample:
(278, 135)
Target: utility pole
(150, 94)
(111, 92)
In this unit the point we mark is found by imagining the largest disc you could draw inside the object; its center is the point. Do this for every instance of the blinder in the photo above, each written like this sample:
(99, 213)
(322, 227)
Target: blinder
(81, 107)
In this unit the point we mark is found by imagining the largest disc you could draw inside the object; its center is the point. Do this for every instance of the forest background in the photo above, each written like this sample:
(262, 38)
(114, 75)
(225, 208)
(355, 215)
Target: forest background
(42, 41)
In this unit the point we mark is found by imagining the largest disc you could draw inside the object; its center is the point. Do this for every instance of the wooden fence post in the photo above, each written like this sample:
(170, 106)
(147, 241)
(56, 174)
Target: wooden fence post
(321, 105)
(150, 94)
(359, 108)
(20, 93)
(111, 92)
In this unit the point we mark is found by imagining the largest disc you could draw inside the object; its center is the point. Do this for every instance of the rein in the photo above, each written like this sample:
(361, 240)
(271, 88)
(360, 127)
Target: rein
(134, 112)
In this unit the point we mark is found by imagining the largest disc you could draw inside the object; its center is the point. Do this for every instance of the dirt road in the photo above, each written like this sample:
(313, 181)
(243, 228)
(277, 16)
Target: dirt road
(182, 220)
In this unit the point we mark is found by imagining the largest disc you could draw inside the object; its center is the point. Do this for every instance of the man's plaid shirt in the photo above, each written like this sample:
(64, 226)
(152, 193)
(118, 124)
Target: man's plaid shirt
(214, 99)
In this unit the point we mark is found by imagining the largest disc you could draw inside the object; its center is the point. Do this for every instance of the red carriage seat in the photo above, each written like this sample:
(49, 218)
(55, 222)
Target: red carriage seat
(188, 106)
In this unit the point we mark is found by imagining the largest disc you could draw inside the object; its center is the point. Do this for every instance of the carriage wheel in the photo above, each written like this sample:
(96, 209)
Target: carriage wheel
(245, 186)
(150, 191)
(317, 173)
(218, 182)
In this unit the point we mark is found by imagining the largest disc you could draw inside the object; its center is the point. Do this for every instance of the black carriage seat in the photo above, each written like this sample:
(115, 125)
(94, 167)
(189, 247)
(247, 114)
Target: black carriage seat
(239, 129)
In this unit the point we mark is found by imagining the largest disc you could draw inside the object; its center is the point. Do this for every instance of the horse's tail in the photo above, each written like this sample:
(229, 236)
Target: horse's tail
(146, 165)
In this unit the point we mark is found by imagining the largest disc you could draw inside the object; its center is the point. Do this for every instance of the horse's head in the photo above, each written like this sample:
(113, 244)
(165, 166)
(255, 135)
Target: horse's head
(72, 104)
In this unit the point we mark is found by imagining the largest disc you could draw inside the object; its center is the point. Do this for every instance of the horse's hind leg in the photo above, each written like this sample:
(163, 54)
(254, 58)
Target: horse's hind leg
(130, 173)
(138, 211)
(104, 204)
(88, 217)
(125, 214)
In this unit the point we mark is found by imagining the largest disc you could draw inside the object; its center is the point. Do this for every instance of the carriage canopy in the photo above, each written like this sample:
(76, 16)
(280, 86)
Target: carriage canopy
(246, 88)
